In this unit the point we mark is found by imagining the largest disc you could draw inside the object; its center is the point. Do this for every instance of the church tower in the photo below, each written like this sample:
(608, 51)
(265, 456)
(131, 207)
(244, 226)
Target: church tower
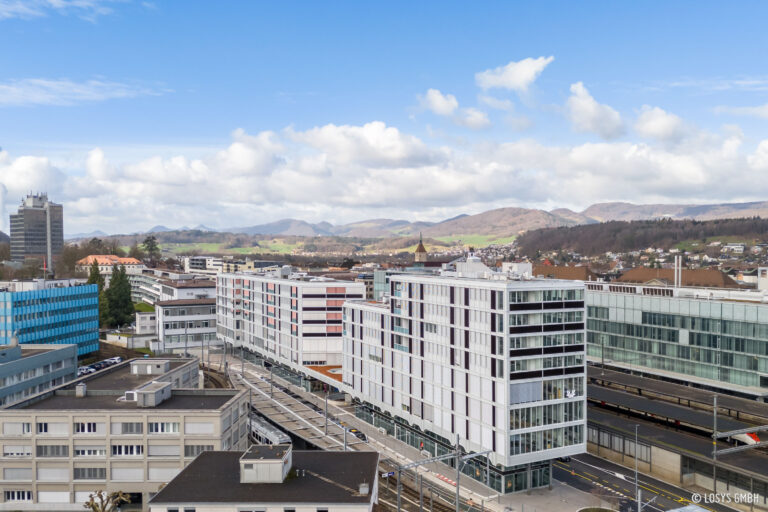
(420, 256)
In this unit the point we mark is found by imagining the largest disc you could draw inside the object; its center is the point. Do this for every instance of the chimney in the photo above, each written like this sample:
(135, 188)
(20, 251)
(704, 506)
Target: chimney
(81, 390)
(364, 489)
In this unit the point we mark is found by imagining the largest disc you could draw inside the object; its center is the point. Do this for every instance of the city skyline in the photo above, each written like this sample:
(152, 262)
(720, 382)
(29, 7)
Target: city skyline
(253, 113)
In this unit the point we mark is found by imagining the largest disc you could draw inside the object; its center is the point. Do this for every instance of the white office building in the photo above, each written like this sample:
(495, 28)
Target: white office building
(495, 359)
(292, 319)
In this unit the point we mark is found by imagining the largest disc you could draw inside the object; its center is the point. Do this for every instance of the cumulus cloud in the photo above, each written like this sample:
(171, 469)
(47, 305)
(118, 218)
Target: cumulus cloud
(656, 123)
(515, 76)
(41, 91)
(587, 115)
(344, 173)
(760, 111)
(439, 103)
(473, 118)
(25, 9)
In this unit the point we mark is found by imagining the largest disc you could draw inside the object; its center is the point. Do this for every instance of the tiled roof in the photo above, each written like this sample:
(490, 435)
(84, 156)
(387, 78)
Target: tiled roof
(107, 259)
(704, 277)
(564, 272)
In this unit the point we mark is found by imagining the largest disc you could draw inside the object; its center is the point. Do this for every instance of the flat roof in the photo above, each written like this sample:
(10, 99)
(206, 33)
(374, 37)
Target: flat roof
(678, 442)
(186, 302)
(189, 283)
(661, 408)
(679, 391)
(120, 377)
(179, 400)
(266, 451)
(330, 371)
(316, 477)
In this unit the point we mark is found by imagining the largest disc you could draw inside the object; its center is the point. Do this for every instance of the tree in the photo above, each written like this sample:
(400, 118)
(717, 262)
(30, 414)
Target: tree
(136, 251)
(95, 276)
(100, 501)
(118, 298)
(152, 248)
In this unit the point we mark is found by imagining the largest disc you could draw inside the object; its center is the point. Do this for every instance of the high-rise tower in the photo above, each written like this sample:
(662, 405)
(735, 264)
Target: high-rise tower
(37, 230)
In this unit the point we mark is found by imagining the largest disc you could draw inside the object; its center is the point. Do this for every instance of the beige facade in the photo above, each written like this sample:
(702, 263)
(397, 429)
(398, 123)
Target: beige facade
(60, 447)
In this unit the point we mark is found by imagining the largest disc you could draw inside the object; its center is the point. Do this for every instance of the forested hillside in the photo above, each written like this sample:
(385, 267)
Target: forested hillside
(621, 236)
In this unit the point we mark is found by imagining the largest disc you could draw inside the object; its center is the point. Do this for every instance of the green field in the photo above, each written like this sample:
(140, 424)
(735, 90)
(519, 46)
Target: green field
(687, 245)
(476, 240)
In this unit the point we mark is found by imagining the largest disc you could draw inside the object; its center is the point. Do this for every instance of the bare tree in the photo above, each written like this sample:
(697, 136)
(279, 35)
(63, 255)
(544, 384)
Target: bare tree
(101, 501)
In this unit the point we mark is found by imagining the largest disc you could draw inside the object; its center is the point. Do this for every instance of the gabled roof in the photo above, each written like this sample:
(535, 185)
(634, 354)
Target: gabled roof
(582, 273)
(107, 259)
(701, 277)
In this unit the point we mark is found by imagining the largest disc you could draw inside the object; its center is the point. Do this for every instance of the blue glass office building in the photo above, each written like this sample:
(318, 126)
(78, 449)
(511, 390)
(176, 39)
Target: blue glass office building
(55, 315)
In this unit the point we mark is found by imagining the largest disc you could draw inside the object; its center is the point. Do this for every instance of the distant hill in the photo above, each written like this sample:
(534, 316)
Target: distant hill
(498, 223)
(603, 212)
(502, 222)
(624, 236)
(92, 234)
(4, 239)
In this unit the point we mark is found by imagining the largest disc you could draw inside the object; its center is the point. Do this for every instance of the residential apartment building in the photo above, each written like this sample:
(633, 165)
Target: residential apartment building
(185, 323)
(715, 338)
(63, 311)
(37, 230)
(130, 428)
(106, 263)
(290, 318)
(274, 478)
(29, 369)
(154, 284)
(495, 359)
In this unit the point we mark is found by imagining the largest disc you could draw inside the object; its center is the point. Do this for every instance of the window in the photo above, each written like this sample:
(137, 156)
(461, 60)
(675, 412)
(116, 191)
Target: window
(90, 451)
(127, 449)
(90, 474)
(163, 428)
(132, 428)
(17, 451)
(85, 428)
(42, 428)
(52, 451)
(193, 450)
(18, 495)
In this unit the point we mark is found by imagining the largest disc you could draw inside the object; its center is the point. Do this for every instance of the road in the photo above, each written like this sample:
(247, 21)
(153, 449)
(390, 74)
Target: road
(594, 475)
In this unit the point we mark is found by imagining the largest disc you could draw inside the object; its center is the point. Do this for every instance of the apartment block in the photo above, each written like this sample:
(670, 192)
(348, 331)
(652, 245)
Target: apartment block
(290, 318)
(56, 312)
(130, 428)
(495, 359)
(715, 338)
(29, 369)
(185, 323)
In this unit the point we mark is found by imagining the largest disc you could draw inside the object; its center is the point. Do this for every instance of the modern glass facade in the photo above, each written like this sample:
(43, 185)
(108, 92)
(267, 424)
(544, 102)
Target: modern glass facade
(722, 341)
(61, 315)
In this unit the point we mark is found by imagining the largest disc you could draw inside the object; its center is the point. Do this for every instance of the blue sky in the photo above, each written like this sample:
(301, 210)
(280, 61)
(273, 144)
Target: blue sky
(236, 113)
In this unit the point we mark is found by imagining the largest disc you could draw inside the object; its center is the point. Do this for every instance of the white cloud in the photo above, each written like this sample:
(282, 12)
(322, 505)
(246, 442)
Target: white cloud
(515, 76)
(760, 111)
(473, 118)
(25, 9)
(41, 91)
(496, 103)
(344, 173)
(439, 103)
(656, 123)
(587, 115)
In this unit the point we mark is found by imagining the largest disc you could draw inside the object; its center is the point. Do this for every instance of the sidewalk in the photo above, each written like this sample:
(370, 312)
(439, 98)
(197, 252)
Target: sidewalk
(562, 498)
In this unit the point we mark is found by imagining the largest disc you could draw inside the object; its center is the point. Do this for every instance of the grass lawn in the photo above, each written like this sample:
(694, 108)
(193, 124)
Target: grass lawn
(143, 307)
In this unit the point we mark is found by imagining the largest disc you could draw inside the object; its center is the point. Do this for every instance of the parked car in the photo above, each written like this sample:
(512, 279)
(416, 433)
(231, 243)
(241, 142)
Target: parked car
(358, 434)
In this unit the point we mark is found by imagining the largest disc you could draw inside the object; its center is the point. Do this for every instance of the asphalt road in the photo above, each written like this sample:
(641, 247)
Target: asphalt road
(617, 484)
